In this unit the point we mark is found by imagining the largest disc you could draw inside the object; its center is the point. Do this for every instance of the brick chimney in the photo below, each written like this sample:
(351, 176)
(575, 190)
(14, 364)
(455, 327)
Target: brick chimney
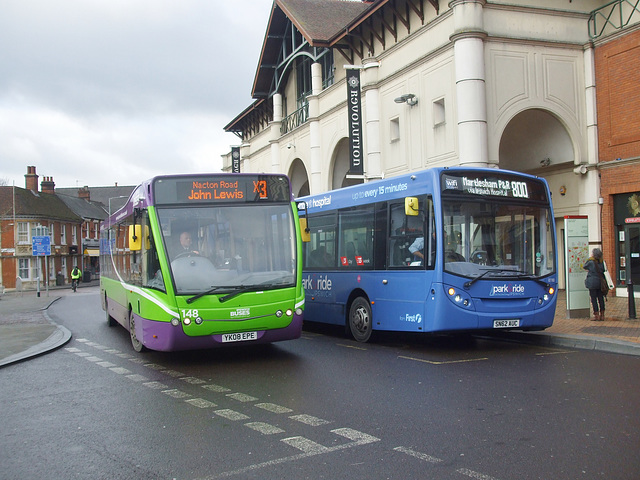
(47, 185)
(84, 193)
(31, 179)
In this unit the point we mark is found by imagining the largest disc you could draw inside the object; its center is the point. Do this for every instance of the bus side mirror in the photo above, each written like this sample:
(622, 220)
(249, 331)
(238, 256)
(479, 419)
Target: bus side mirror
(135, 238)
(411, 206)
(305, 234)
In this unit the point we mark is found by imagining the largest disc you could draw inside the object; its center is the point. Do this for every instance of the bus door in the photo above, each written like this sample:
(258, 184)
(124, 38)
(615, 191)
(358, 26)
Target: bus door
(403, 293)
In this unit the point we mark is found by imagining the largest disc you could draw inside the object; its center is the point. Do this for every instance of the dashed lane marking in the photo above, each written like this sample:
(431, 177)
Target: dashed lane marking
(216, 388)
(175, 393)
(120, 370)
(106, 364)
(231, 415)
(272, 407)
(476, 475)
(309, 420)
(156, 385)
(242, 397)
(421, 456)
(200, 403)
(305, 445)
(264, 428)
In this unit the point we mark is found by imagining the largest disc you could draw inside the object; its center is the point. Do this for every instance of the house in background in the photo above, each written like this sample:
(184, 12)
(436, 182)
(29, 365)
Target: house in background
(72, 219)
(24, 211)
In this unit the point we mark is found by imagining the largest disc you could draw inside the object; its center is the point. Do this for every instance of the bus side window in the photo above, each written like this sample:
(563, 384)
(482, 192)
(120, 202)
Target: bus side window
(356, 227)
(320, 251)
(152, 275)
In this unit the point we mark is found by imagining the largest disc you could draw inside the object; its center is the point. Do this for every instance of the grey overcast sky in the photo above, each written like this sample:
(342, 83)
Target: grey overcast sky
(98, 92)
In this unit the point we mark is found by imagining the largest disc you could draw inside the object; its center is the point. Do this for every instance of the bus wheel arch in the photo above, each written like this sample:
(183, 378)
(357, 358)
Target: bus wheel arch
(105, 304)
(359, 321)
(135, 342)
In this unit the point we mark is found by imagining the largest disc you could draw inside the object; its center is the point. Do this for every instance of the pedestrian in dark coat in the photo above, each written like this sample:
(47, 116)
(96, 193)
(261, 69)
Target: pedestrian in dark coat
(595, 272)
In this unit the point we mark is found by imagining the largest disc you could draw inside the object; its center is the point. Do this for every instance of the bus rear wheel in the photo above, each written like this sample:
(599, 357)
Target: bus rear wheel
(137, 344)
(360, 320)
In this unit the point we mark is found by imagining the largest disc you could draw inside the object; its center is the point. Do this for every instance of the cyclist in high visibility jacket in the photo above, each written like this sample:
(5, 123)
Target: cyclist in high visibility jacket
(76, 273)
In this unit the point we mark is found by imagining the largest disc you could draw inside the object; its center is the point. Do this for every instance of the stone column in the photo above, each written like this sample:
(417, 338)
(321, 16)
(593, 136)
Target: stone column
(468, 46)
(315, 182)
(373, 167)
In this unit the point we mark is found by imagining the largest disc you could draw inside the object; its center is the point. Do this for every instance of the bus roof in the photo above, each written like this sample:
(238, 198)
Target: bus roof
(411, 184)
(208, 187)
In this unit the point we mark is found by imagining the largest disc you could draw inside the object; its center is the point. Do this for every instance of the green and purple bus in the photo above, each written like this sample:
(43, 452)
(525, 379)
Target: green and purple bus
(200, 261)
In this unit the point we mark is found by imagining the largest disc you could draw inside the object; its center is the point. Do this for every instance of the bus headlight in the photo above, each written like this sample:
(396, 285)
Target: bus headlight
(175, 321)
(298, 311)
(289, 312)
(279, 313)
(459, 297)
(198, 320)
(187, 321)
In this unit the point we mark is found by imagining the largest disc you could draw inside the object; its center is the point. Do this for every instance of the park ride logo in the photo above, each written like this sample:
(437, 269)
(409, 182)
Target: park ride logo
(507, 290)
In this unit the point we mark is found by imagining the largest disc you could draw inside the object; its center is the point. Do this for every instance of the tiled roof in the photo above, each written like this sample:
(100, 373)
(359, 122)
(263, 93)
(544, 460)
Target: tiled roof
(29, 204)
(320, 21)
(87, 210)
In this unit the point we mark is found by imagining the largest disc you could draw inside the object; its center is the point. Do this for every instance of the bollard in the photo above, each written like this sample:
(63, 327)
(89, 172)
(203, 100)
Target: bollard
(632, 300)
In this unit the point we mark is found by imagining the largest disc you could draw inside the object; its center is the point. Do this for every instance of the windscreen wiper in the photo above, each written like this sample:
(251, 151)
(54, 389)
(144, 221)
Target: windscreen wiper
(514, 274)
(206, 292)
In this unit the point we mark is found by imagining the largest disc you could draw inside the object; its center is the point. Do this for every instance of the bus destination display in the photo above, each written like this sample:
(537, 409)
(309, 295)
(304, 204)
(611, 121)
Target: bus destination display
(500, 185)
(229, 188)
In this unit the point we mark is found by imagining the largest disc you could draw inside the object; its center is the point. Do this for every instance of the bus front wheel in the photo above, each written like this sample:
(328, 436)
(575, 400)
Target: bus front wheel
(360, 319)
(137, 344)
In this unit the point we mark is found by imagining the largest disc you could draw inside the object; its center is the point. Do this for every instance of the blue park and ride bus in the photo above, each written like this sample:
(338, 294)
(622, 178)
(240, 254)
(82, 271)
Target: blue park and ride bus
(238, 281)
(441, 250)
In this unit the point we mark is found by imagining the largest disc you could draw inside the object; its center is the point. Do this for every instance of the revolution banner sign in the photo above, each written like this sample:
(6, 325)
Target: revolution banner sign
(356, 155)
(235, 159)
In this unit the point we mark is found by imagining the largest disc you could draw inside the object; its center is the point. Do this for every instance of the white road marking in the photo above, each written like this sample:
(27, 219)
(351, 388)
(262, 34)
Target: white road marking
(433, 362)
(175, 393)
(476, 475)
(242, 397)
(421, 456)
(264, 428)
(120, 370)
(137, 378)
(272, 407)
(192, 380)
(156, 385)
(106, 364)
(216, 388)
(201, 403)
(305, 445)
(309, 420)
(355, 435)
(231, 414)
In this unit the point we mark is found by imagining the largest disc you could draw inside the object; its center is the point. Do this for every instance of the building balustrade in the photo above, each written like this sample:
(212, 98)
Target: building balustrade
(613, 16)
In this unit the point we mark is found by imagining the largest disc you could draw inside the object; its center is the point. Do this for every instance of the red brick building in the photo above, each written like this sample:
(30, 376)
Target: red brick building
(21, 211)
(617, 63)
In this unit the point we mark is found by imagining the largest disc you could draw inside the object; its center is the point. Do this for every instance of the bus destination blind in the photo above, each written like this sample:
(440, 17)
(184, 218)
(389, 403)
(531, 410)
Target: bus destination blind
(228, 189)
(505, 186)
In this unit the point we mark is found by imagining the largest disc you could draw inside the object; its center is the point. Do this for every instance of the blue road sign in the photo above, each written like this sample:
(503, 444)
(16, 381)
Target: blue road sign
(41, 245)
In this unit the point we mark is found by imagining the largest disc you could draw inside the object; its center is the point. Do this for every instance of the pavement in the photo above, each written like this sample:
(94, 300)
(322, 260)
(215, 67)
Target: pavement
(26, 331)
